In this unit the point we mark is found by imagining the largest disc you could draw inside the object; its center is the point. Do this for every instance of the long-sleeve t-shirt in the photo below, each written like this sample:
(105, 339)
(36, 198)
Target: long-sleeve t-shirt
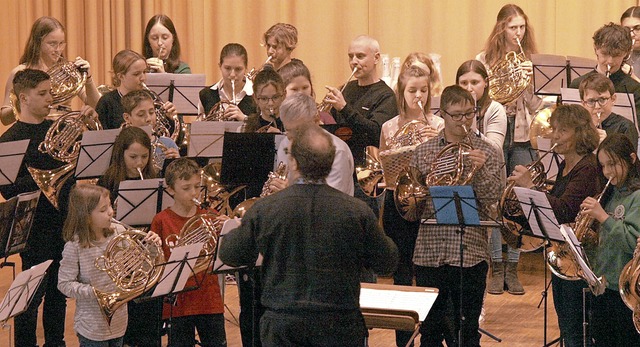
(367, 108)
(77, 278)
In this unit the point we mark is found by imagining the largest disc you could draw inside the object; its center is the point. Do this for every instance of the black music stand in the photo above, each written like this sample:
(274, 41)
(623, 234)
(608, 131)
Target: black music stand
(456, 205)
(21, 292)
(543, 224)
(95, 153)
(550, 73)
(11, 157)
(177, 270)
(17, 225)
(579, 66)
(180, 89)
(138, 201)
(206, 139)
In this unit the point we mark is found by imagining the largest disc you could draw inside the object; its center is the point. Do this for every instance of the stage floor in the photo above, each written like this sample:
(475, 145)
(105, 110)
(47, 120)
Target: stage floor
(516, 319)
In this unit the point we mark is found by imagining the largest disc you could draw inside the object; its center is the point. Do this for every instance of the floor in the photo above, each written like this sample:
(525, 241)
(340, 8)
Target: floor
(517, 320)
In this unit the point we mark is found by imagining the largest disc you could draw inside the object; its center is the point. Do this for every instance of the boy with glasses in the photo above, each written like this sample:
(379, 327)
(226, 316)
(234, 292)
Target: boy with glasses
(597, 94)
(612, 45)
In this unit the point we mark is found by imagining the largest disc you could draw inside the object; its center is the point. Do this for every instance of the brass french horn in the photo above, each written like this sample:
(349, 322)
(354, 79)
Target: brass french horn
(131, 263)
(203, 228)
(252, 74)
(324, 106)
(280, 173)
(164, 123)
(66, 81)
(507, 79)
(371, 175)
(61, 142)
(629, 287)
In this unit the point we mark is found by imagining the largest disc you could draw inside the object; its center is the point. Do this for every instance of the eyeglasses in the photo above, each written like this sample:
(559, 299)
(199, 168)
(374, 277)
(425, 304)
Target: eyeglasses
(592, 102)
(634, 29)
(56, 45)
(265, 100)
(458, 117)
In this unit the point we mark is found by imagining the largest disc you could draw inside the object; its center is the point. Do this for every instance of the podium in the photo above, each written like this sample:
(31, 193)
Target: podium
(403, 307)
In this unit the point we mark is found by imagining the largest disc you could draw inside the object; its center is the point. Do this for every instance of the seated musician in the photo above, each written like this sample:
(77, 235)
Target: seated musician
(612, 44)
(44, 49)
(139, 112)
(280, 41)
(598, 96)
(323, 257)
(233, 67)
(437, 255)
(268, 93)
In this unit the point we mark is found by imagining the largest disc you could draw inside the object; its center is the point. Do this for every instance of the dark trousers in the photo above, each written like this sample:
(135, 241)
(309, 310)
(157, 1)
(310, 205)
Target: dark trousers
(404, 235)
(611, 321)
(250, 307)
(567, 299)
(145, 323)
(441, 323)
(343, 329)
(210, 331)
(53, 310)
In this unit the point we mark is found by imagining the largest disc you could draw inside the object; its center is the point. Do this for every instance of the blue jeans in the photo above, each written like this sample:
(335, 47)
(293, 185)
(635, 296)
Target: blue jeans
(513, 254)
(85, 342)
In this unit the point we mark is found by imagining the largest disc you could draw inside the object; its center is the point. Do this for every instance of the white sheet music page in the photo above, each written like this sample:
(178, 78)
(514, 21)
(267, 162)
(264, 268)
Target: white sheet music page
(547, 217)
(420, 302)
(576, 248)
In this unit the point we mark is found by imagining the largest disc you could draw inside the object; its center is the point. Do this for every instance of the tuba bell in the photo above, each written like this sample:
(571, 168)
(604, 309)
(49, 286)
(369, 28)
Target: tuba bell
(132, 264)
(61, 142)
(507, 79)
(203, 228)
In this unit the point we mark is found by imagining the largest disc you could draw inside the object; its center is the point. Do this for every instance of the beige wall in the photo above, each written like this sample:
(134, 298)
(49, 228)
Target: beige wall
(455, 29)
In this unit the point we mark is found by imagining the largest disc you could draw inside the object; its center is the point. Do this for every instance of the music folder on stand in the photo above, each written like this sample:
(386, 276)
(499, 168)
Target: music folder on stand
(543, 224)
(19, 295)
(177, 270)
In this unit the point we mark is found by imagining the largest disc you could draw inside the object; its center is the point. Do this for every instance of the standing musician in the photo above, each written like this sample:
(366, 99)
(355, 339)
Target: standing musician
(280, 40)
(129, 69)
(268, 93)
(233, 67)
(297, 79)
(33, 89)
(367, 102)
(312, 263)
(414, 98)
(43, 50)
(512, 26)
(162, 47)
(612, 45)
(597, 94)
(417, 58)
(437, 252)
(630, 19)
(576, 138)
(619, 227)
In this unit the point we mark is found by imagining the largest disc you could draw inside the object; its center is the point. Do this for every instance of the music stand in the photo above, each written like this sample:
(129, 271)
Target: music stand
(177, 270)
(95, 153)
(456, 205)
(180, 89)
(11, 156)
(550, 73)
(21, 292)
(543, 224)
(138, 201)
(579, 66)
(206, 139)
(396, 307)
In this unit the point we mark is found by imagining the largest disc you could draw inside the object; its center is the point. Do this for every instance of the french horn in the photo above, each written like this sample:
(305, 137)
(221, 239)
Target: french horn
(61, 142)
(203, 228)
(371, 175)
(252, 74)
(629, 287)
(280, 173)
(133, 265)
(167, 126)
(325, 106)
(507, 79)
(67, 80)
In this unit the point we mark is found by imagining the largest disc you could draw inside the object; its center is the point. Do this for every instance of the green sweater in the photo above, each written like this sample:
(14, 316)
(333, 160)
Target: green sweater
(618, 235)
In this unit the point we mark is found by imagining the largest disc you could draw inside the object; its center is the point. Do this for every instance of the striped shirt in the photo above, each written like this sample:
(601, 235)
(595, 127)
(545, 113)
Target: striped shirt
(439, 245)
(77, 277)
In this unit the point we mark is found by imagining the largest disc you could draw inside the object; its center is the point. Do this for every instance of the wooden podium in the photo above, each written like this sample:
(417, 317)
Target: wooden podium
(387, 306)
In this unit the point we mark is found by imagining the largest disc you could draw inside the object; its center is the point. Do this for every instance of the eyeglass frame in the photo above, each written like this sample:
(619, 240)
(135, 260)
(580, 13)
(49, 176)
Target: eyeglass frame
(460, 116)
(635, 29)
(266, 100)
(56, 45)
(592, 102)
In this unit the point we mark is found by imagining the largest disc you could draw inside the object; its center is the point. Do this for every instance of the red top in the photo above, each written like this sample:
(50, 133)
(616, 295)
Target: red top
(204, 300)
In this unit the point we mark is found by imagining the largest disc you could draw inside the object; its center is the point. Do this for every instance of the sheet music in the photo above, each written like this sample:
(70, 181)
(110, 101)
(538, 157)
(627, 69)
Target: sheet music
(137, 201)
(420, 302)
(11, 156)
(186, 88)
(206, 139)
(576, 248)
(23, 220)
(547, 217)
(95, 152)
(218, 265)
(178, 254)
(17, 297)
